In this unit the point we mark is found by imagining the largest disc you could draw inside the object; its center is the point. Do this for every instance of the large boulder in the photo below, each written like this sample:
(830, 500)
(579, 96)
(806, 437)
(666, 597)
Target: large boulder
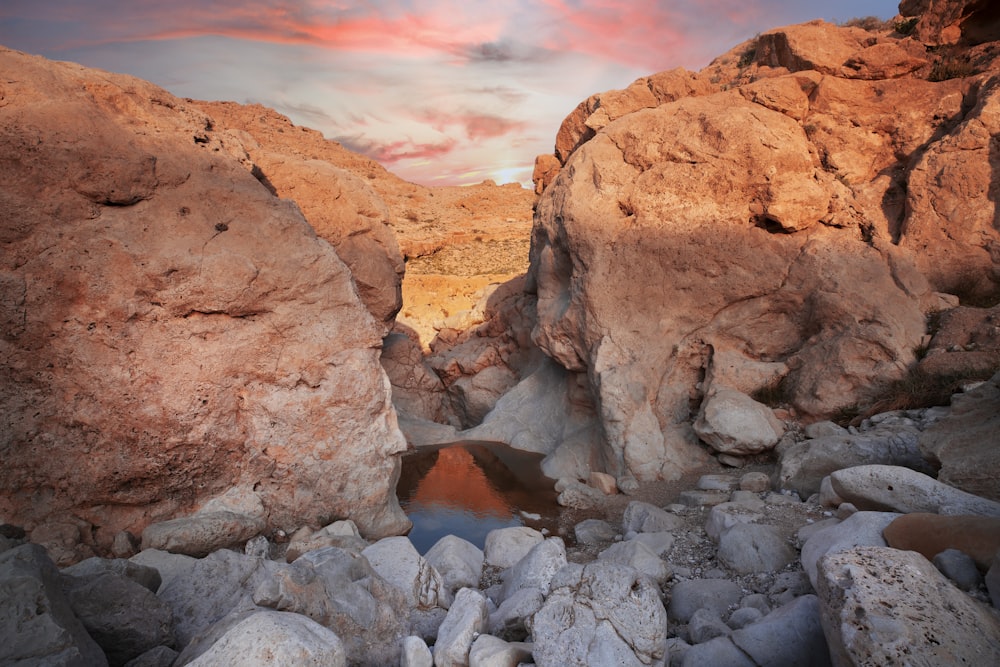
(898, 489)
(171, 329)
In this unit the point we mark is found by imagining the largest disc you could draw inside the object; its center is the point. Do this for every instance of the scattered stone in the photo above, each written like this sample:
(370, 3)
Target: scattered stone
(257, 547)
(861, 529)
(787, 498)
(704, 625)
(695, 498)
(731, 422)
(618, 619)
(960, 568)
(638, 556)
(754, 548)
(536, 569)
(743, 617)
(489, 651)
(267, 638)
(789, 586)
(579, 496)
(810, 529)
(466, 620)
(416, 653)
(884, 606)
(504, 547)
(397, 561)
(930, 534)
(749, 499)
(724, 516)
(36, 620)
(201, 534)
(755, 482)
(594, 531)
(458, 561)
(689, 596)
(898, 489)
(756, 601)
(790, 635)
(603, 482)
(642, 517)
(716, 483)
(730, 460)
(658, 543)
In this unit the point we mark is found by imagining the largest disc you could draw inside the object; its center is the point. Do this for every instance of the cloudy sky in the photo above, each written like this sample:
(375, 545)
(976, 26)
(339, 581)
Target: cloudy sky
(439, 91)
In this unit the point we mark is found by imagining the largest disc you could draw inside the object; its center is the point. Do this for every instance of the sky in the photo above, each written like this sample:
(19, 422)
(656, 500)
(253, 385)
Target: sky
(441, 92)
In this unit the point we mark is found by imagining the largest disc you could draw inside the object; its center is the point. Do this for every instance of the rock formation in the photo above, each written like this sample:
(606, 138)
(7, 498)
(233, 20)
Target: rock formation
(171, 329)
(786, 218)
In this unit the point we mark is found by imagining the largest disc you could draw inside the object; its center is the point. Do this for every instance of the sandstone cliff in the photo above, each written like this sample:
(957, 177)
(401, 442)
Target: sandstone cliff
(171, 329)
(784, 219)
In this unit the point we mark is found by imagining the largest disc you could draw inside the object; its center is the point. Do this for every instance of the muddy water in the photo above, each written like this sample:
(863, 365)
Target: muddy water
(470, 488)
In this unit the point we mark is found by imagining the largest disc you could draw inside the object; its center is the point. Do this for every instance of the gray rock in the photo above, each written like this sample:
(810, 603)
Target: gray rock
(689, 596)
(960, 568)
(883, 606)
(504, 547)
(508, 621)
(721, 652)
(536, 569)
(397, 561)
(730, 422)
(992, 581)
(489, 651)
(724, 516)
(788, 586)
(257, 547)
(459, 562)
(594, 531)
(576, 495)
(696, 498)
(170, 566)
(416, 653)
(754, 548)
(898, 489)
(125, 545)
(201, 534)
(213, 587)
(124, 617)
(144, 575)
(618, 619)
(756, 601)
(36, 622)
(749, 499)
(658, 543)
(810, 529)
(743, 617)
(704, 625)
(789, 635)
(267, 638)
(676, 649)
(861, 529)
(827, 496)
(823, 429)
(465, 620)
(342, 591)
(161, 656)
(755, 482)
(641, 517)
(803, 465)
(716, 483)
(637, 555)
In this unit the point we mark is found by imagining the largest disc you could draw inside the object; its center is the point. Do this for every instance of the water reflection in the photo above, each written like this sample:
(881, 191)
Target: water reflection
(470, 488)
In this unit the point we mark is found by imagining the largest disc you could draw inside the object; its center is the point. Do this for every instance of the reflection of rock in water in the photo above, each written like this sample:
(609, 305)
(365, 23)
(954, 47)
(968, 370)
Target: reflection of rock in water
(467, 489)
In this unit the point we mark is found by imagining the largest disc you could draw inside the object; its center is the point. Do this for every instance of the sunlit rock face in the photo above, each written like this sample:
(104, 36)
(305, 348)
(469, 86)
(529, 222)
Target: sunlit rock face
(171, 329)
(795, 225)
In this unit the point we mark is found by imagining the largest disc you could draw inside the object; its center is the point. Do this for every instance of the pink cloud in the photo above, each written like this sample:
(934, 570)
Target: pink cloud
(391, 152)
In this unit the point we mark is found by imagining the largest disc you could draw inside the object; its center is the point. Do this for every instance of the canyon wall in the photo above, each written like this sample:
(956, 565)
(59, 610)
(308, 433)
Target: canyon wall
(783, 220)
(172, 331)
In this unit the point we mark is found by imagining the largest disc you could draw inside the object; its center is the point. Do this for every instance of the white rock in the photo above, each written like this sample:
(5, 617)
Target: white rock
(459, 562)
(269, 638)
(508, 621)
(506, 546)
(416, 653)
(397, 561)
(894, 488)
(637, 555)
(882, 606)
(536, 569)
(861, 529)
(465, 621)
(658, 543)
(731, 422)
(201, 534)
(490, 651)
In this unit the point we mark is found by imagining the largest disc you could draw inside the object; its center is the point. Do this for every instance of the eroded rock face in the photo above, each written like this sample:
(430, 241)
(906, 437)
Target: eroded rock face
(170, 328)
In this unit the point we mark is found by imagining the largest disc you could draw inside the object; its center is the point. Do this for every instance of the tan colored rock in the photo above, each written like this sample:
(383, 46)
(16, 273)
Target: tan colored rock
(416, 389)
(930, 534)
(965, 445)
(603, 482)
(545, 171)
(949, 21)
(172, 329)
(966, 344)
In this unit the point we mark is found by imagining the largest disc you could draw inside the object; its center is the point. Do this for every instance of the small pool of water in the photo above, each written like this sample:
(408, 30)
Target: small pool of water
(470, 488)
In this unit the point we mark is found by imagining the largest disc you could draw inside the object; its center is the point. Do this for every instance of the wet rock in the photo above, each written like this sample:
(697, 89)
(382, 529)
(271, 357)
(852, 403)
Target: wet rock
(618, 620)
(861, 529)
(689, 596)
(124, 617)
(884, 606)
(536, 569)
(754, 548)
(930, 534)
(396, 560)
(201, 534)
(731, 422)
(504, 547)
(466, 620)
(790, 635)
(894, 488)
(459, 562)
(272, 637)
(36, 620)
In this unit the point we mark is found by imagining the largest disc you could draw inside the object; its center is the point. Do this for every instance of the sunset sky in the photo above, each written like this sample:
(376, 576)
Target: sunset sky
(440, 91)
